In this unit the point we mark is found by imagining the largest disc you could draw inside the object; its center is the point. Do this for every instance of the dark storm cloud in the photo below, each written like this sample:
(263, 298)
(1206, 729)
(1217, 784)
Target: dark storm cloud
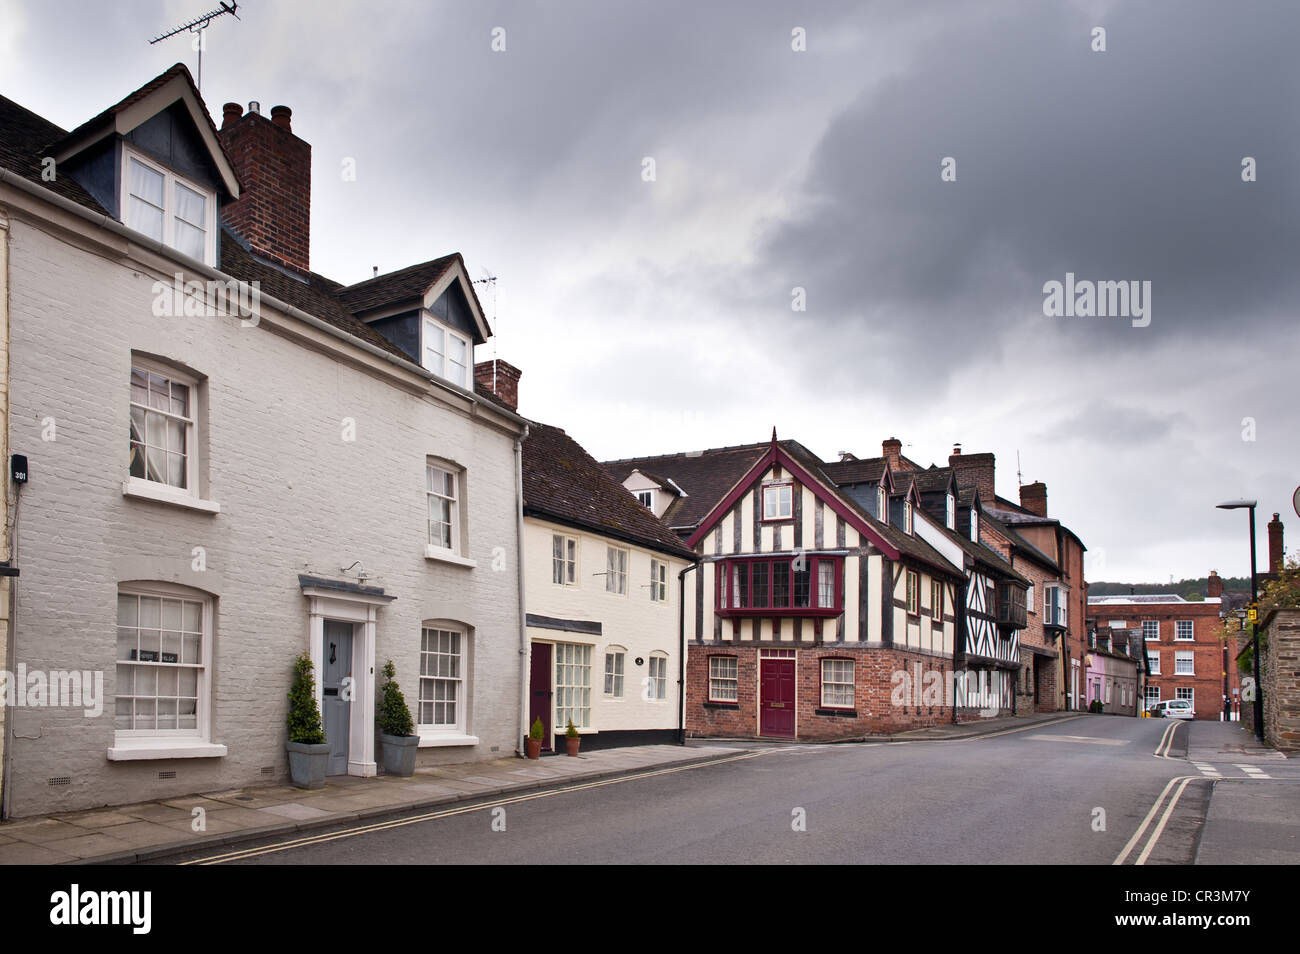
(1122, 165)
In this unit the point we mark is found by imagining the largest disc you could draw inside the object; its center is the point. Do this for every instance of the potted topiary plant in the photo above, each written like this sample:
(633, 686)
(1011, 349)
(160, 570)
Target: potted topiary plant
(533, 744)
(396, 728)
(309, 753)
(571, 739)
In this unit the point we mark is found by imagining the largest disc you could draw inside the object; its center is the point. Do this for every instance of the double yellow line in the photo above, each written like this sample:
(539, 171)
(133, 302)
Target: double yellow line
(1167, 741)
(1181, 781)
(447, 813)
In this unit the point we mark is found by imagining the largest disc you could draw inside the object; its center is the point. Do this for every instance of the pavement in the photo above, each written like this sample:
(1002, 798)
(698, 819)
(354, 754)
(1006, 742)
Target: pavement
(151, 831)
(1253, 815)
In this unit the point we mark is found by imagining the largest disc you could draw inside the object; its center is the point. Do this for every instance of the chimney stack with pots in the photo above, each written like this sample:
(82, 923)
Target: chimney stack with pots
(1276, 553)
(974, 470)
(273, 212)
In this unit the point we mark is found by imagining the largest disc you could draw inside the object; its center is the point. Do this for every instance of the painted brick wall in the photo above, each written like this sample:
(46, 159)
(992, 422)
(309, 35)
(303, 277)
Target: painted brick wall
(295, 497)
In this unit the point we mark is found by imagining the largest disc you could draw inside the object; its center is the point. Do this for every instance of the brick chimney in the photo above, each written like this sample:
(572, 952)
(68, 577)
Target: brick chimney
(974, 470)
(1213, 585)
(1276, 553)
(892, 450)
(499, 378)
(1033, 497)
(273, 212)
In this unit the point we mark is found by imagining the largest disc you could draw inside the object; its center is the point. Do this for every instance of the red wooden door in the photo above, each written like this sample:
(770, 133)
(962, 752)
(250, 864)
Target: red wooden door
(539, 705)
(776, 698)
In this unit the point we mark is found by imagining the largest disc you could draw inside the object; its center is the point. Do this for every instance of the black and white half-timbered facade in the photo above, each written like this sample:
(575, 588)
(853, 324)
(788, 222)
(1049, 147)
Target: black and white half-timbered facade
(809, 618)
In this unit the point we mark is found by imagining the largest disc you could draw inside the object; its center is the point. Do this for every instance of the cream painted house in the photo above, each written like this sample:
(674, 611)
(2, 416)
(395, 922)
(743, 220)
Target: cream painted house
(308, 468)
(603, 591)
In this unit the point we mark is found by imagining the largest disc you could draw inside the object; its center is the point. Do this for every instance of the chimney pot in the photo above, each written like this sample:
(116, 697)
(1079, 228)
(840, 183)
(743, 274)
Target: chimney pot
(956, 449)
(255, 107)
(280, 115)
(229, 113)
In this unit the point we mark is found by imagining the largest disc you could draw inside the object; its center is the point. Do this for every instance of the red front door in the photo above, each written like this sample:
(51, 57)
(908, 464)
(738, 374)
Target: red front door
(776, 698)
(539, 704)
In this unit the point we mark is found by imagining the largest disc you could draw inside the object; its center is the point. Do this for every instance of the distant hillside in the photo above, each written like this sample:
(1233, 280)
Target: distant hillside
(1188, 589)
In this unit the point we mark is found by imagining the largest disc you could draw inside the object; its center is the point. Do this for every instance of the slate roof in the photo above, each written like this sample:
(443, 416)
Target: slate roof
(1020, 542)
(842, 472)
(562, 482)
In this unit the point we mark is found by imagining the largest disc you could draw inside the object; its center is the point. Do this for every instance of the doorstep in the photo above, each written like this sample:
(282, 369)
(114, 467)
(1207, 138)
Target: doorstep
(153, 831)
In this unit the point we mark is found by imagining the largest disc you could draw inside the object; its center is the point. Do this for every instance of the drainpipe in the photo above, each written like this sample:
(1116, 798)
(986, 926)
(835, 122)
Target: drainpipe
(523, 611)
(681, 651)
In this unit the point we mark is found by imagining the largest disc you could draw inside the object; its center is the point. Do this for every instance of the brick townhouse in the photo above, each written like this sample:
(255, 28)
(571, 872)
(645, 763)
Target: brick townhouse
(293, 480)
(1186, 658)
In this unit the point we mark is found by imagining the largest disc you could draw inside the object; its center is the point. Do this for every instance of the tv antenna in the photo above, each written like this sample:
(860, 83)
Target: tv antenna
(490, 280)
(1020, 478)
(197, 26)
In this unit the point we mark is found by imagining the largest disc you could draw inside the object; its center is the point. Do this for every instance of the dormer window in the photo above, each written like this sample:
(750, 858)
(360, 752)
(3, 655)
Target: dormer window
(951, 513)
(646, 498)
(974, 525)
(882, 505)
(447, 353)
(907, 516)
(168, 208)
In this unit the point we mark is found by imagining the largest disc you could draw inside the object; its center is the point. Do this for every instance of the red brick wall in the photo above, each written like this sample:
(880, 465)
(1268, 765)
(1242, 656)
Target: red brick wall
(273, 212)
(1207, 650)
(874, 689)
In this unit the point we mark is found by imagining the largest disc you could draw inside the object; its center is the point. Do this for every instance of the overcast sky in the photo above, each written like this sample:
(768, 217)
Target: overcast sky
(652, 316)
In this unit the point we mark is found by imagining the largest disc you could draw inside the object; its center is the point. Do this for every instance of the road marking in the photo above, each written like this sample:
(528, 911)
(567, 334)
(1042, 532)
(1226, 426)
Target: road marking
(1167, 741)
(1080, 738)
(446, 813)
(1254, 771)
(1023, 728)
(1155, 835)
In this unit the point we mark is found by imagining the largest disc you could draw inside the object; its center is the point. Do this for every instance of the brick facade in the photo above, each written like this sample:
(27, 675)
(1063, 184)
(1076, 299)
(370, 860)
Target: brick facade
(273, 165)
(884, 703)
(1206, 682)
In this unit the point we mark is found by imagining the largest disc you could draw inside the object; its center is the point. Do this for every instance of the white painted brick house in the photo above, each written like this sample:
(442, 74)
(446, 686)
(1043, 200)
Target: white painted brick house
(299, 479)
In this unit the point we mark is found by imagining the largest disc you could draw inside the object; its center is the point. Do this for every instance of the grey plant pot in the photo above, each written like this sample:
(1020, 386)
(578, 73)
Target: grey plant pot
(399, 754)
(307, 764)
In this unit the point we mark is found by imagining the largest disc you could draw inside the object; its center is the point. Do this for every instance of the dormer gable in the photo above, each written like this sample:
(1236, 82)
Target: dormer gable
(430, 311)
(155, 163)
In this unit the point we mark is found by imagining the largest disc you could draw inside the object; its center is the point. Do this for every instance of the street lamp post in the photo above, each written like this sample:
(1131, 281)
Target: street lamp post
(1249, 505)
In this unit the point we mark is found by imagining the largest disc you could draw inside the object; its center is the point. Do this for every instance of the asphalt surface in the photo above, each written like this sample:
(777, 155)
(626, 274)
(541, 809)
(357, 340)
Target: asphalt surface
(1085, 791)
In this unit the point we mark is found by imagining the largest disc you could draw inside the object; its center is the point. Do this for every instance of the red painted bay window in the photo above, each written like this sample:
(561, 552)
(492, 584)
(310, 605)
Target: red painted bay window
(791, 585)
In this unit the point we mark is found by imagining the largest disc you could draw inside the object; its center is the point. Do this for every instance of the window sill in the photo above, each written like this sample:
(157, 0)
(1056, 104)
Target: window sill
(430, 740)
(134, 750)
(722, 705)
(162, 493)
(443, 555)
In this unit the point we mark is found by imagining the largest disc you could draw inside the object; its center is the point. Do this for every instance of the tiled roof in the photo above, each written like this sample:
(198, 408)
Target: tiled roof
(562, 482)
(705, 476)
(25, 139)
(910, 545)
(317, 296)
(930, 481)
(402, 285)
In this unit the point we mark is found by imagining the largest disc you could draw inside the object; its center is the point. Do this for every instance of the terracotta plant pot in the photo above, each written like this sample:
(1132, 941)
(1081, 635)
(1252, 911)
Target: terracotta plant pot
(572, 745)
(533, 748)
